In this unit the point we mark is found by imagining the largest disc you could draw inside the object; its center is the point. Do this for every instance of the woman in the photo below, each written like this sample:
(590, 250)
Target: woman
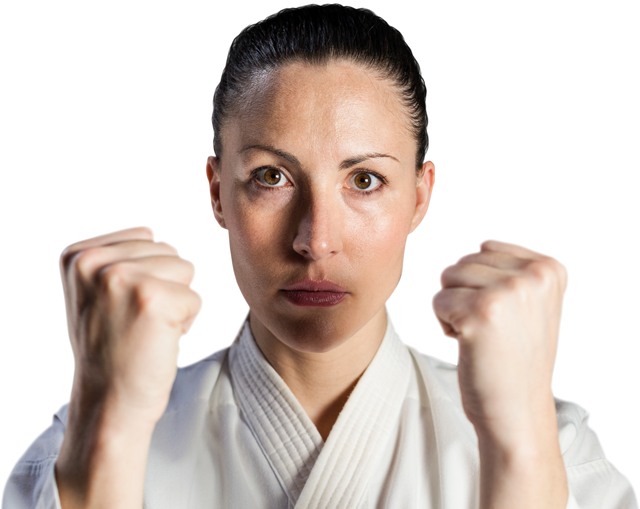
(319, 177)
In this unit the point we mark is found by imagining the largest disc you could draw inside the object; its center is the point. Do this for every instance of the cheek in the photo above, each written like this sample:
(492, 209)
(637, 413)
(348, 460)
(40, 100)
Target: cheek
(385, 250)
(378, 231)
(250, 230)
(257, 232)
(249, 255)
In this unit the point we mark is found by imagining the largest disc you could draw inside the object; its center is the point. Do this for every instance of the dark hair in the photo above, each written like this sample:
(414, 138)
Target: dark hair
(318, 34)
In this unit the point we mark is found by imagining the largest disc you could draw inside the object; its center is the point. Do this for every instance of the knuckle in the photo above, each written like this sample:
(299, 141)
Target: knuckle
(114, 277)
(187, 259)
(447, 274)
(85, 261)
(190, 268)
(490, 307)
(198, 298)
(66, 256)
(444, 271)
(170, 246)
(147, 294)
(467, 256)
(559, 270)
(516, 284)
(167, 247)
(542, 272)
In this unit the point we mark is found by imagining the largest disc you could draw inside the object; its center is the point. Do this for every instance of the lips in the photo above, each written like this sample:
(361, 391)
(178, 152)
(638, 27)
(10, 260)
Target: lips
(309, 285)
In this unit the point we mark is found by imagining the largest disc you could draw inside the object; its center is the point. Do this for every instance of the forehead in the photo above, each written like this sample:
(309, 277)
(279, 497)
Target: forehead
(336, 107)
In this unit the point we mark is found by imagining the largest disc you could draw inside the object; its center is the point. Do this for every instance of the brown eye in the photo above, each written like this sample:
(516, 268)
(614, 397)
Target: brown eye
(272, 177)
(362, 180)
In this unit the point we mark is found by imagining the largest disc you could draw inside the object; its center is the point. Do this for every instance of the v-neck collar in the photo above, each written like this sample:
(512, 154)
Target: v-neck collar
(315, 474)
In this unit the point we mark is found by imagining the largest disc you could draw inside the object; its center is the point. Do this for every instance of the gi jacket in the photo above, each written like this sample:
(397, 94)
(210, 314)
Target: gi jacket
(234, 436)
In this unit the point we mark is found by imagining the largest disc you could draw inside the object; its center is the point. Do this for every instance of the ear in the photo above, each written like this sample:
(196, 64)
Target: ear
(424, 186)
(213, 175)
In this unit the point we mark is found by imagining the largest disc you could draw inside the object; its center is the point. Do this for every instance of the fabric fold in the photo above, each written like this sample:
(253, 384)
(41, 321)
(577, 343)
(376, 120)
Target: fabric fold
(288, 438)
(315, 474)
(342, 471)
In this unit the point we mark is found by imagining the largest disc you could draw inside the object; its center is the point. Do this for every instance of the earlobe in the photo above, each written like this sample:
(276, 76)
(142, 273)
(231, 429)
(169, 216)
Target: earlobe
(216, 216)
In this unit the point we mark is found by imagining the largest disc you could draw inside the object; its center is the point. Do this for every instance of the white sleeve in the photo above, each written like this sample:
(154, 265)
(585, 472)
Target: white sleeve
(594, 483)
(598, 484)
(571, 503)
(32, 483)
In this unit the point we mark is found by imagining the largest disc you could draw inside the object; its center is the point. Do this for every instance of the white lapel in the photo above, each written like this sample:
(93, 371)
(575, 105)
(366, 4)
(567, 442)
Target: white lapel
(341, 473)
(317, 475)
(289, 440)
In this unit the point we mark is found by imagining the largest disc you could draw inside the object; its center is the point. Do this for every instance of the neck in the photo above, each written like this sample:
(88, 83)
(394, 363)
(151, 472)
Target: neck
(322, 382)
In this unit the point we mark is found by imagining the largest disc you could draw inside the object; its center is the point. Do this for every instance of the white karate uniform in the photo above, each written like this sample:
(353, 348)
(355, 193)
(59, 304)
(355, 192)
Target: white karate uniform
(234, 436)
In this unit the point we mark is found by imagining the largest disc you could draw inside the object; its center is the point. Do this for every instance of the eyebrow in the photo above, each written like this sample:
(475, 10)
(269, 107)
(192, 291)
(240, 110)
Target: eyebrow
(347, 163)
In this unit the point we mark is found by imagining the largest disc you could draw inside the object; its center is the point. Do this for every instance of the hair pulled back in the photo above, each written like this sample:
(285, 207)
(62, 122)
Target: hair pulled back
(317, 34)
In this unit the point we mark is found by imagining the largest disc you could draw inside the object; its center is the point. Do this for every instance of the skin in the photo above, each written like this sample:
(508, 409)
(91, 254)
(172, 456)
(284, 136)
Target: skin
(319, 225)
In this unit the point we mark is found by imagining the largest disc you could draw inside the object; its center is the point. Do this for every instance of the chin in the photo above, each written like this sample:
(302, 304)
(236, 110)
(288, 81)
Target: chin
(316, 345)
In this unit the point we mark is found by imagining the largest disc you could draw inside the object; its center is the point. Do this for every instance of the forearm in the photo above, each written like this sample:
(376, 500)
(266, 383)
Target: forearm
(102, 461)
(526, 475)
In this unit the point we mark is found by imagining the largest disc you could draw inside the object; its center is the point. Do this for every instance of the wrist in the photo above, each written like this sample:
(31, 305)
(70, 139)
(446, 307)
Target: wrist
(523, 468)
(523, 431)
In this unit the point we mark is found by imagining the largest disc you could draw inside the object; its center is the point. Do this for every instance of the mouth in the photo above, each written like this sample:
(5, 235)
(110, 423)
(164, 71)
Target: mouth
(314, 299)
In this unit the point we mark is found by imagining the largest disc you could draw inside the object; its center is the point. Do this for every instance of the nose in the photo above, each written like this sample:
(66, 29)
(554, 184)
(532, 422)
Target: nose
(319, 229)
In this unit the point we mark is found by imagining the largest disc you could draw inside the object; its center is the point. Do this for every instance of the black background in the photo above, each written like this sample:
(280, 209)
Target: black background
(109, 128)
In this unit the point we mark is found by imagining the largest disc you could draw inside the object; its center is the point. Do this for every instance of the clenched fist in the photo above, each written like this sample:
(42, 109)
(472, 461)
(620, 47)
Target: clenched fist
(503, 305)
(129, 299)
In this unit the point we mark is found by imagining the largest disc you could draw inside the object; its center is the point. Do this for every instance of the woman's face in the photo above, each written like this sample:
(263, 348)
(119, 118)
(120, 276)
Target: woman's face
(317, 185)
